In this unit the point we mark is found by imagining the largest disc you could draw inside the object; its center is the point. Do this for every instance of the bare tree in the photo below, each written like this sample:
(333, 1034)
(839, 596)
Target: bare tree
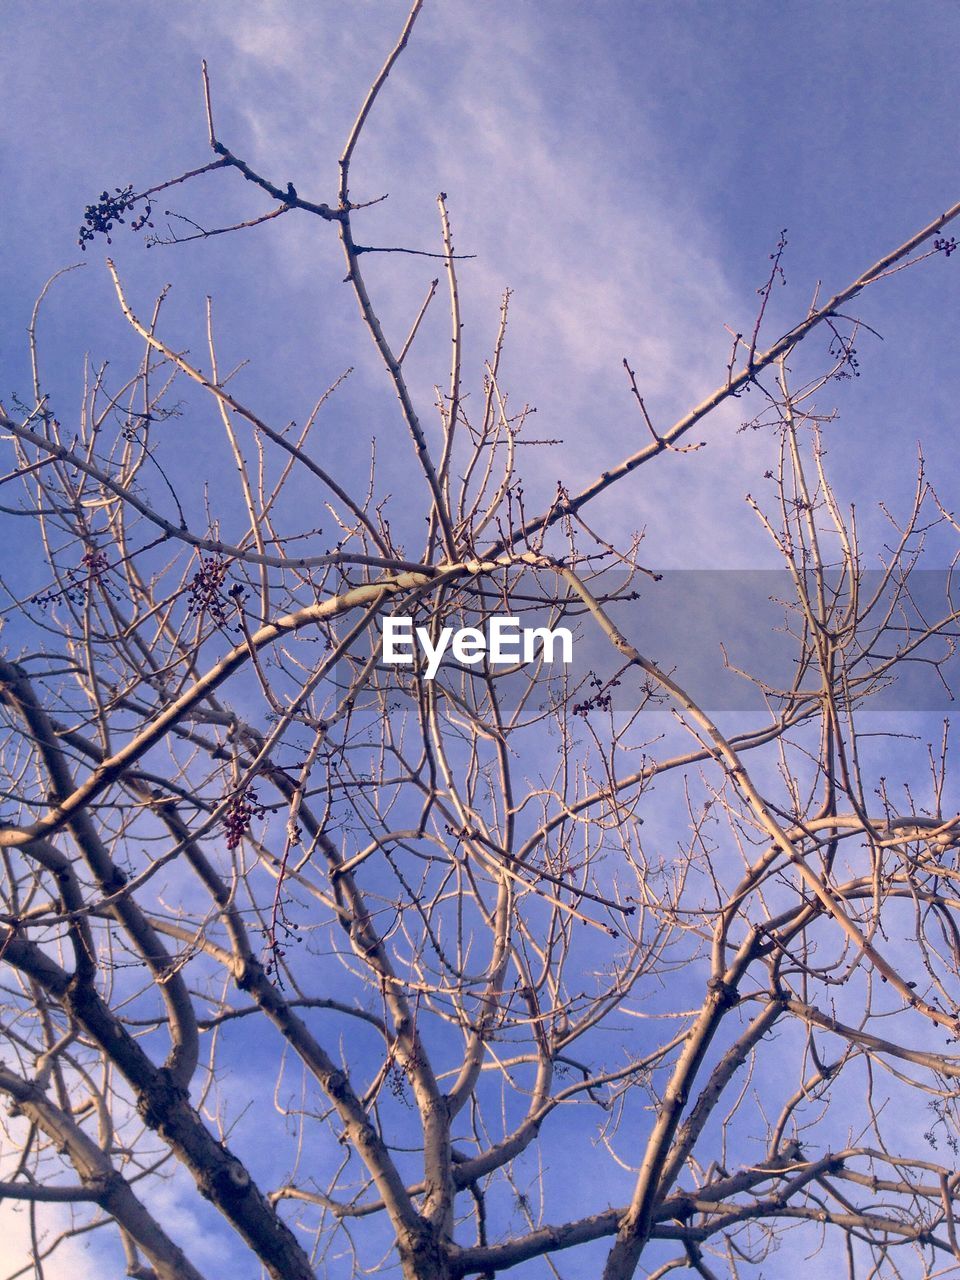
(387, 967)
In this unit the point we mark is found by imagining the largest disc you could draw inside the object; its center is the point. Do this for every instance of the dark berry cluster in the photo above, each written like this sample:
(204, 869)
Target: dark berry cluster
(600, 700)
(278, 937)
(206, 590)
(843, 350)
(95, 562)
(93, 566)
(99, 218)
(242, 807)
(943, 1123)
(397, 1084)
(71, 595)
(945, 246)
(776, 271)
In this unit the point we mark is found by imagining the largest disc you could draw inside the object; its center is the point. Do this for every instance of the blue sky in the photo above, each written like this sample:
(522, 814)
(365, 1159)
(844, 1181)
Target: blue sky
(625, 168)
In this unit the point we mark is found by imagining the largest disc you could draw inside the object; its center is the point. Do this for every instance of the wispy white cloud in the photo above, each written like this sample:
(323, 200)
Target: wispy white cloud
(603, 262)
(77, 1259)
